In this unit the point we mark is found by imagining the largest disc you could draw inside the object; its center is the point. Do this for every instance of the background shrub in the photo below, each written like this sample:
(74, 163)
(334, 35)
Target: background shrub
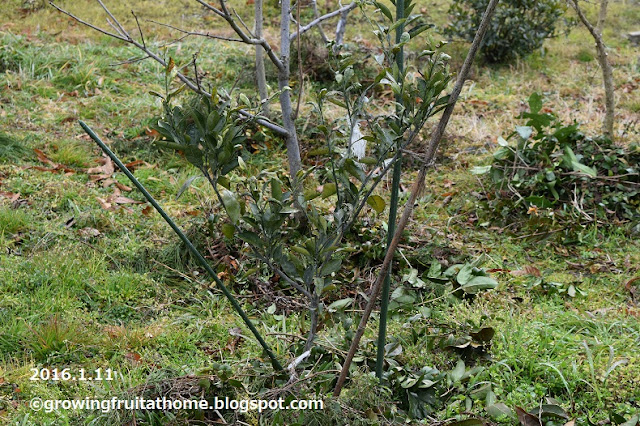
(517, 29)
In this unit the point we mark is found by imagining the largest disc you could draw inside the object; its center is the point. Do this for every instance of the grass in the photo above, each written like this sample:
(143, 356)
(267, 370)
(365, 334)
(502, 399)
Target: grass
(85, 287)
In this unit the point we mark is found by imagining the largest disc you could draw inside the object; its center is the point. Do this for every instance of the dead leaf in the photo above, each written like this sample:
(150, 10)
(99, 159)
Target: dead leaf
(134, 164)
(147, 210)
(107, 168)
(123, 187)
(527, 270)
(527, 419)
(89, 232)
(633, 289)
(42, 157)
(152, 133)
(12, 196)
(103, 203)
(134, 357)
(126, 200)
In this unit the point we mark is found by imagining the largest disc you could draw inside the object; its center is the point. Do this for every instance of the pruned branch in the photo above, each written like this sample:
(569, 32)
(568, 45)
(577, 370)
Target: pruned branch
(415, 190)
(310, 25)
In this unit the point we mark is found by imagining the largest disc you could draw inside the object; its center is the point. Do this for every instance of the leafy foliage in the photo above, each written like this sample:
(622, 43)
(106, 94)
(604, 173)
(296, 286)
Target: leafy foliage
(517, 29)
(561, 177)
(298, 229)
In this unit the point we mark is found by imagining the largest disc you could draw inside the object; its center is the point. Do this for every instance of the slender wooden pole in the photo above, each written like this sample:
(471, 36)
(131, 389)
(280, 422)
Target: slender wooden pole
(190, 246)
(393, 210)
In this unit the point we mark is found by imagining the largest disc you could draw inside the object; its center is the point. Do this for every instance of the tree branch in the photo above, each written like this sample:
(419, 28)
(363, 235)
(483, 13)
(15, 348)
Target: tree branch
(198, 33)
(415, 190)
(186, 80)
(100, 30)
(316, 21)
(246, 38)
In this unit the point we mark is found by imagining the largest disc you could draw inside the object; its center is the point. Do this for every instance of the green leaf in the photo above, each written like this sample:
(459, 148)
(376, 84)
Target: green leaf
(330, 267)
(231, 205)
(228, 230)
(480, 170)
(571, 158)
(535, 102)
(186, 185)
(251, 238)
(524, 131)
(276, 189)
(384, 9)
(496, 411)
(465, 274)
(377, 203)
(457, 373)
(328, 190)
(339, 305)
(477, 284)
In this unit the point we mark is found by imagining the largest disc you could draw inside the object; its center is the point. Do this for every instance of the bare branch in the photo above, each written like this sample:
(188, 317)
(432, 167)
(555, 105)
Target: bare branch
(300, 71)
(139, 29)
(243, 23)
(261, 77)
(198, 33)
(316, 21)
(103, 31)
(122, 30)
(211, 8)
(224, 13)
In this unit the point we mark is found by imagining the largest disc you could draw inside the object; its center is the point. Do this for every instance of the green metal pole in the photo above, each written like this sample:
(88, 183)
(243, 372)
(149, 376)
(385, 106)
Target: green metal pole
(190, 246)
(393, 210)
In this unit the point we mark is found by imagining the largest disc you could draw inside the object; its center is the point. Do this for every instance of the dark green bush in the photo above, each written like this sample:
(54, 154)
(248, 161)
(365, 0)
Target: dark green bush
(561, 178)
(517, 29)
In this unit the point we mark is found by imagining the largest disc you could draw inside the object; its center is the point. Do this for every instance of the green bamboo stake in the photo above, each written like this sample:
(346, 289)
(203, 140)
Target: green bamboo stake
(393, 210)
(190, 246)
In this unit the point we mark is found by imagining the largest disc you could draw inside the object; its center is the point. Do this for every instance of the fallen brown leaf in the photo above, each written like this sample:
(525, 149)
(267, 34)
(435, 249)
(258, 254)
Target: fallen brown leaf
(527, 270)
(123, 187)
(89, 232)
(107, 168)
(126, 200)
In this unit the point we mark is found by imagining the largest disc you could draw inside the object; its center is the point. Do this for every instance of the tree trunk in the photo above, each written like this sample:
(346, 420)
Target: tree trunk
(261, 79)
(602, 16)
(293, 149)
(603, 60)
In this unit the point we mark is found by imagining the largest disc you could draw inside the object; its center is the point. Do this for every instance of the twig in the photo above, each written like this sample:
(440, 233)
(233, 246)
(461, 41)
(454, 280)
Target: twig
(198, 33)
(139, 29)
